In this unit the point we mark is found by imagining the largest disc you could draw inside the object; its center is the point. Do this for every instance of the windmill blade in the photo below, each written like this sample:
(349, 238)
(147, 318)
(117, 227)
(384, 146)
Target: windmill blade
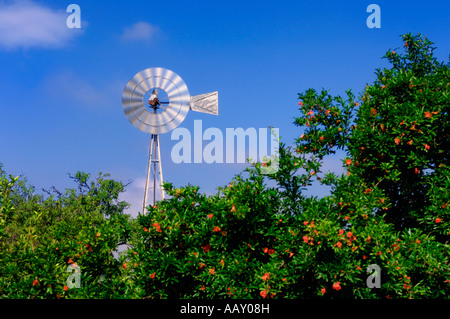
(205, 103)
(171, 116)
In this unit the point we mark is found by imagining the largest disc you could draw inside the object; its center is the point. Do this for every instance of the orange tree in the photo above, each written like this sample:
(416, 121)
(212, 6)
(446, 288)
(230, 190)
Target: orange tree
(404, 119)
(198, 246)
(393, 201)
(390, 209)
(41, 238)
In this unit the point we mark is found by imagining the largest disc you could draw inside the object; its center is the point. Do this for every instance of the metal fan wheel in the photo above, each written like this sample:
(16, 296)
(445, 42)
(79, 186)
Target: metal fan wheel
(146, 120)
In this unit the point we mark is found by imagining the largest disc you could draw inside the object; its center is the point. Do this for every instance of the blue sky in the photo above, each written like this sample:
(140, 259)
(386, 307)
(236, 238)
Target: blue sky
(60, 88)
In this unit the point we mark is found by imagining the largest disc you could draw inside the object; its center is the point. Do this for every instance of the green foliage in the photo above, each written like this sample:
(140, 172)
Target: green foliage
(198, 246)
(390, 208)
(45, 236)
(401, 139)
(6, 205)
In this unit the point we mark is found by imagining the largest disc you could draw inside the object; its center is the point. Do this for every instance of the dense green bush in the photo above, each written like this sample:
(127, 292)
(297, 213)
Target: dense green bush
(390, 209)
(43, 237)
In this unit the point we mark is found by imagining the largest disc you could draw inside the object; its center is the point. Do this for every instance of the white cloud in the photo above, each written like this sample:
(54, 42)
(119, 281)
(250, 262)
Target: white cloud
(134, 195)
(27, 24)
(140, 31)
(68, 88)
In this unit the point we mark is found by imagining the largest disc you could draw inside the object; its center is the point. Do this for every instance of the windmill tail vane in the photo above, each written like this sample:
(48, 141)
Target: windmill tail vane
(206, 103)
(180, 102)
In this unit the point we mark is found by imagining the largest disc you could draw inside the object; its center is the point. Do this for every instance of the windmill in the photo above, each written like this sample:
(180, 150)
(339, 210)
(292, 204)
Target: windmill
(156, 114)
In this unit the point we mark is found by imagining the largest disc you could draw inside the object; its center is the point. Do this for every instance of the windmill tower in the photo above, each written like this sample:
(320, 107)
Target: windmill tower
(156, 101)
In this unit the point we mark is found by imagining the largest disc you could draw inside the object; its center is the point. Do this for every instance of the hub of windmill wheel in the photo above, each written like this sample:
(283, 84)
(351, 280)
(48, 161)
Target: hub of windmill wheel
(154, 103)
(156, 99)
